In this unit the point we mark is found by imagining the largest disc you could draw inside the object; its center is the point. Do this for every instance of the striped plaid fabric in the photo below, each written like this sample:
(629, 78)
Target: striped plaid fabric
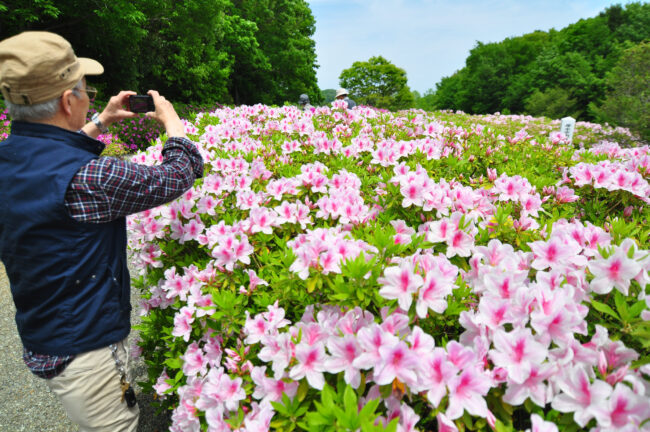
(109, 188)
(45, 366)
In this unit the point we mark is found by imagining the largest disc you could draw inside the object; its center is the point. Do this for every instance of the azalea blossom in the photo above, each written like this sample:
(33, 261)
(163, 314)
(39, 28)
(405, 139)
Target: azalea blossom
(580, 396)
(615, 271)
(400, 283)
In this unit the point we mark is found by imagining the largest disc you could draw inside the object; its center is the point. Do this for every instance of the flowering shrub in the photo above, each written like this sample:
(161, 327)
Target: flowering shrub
(114, 147)
(364, 270)
(5, 124)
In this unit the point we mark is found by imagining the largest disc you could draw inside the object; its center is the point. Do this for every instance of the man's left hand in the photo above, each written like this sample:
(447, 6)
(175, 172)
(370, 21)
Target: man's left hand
(114, 112)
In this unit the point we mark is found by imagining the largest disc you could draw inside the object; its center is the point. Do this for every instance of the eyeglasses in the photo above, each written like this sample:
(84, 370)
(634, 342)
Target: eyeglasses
(90, 91)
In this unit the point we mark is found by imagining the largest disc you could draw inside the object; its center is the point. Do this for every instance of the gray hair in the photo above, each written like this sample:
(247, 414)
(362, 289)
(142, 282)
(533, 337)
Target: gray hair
(41, 111)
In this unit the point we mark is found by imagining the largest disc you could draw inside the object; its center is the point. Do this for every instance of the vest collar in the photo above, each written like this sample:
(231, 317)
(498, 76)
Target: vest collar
(40, 130)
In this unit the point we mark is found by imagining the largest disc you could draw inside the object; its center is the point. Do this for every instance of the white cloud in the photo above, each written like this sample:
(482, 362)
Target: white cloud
(428, 38)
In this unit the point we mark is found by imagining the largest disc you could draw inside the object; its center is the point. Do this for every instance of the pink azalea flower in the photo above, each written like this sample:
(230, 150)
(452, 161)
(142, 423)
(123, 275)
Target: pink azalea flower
(255, 328)
(459, 243)
(622, 408)
(278, 350)
(194, 361)
(407, 419)
(162, 385)
(396, 361)
(343, 352)
(460, 355)
(435, 371)
(445, 424)
(311, 364)
(497, 254)
(274, 315)
(269, 389)
(370, 339)
(432, 295)
(400, 283)
(517, 352)
(579, 396)
(183, 323)
(614, 272)
(412, 193)
(565, 194)
(494, 312)
(466, 392)
(556, 316)
(422, 344)
(262, 219)
(259, 418)
(540, 425)
(555, 253)
(534, 387)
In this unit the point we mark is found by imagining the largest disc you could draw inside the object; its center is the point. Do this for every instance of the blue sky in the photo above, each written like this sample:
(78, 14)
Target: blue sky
(429, 39)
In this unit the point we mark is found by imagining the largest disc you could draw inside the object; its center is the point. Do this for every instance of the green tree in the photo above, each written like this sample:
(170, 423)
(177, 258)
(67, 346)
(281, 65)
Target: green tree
(239, 51)
(628, 99)
(427, 101)
(186, 65)
(379, 83)
(553, 103)
(328, 95)
(284, 33)
(111, 32)
(522, 72)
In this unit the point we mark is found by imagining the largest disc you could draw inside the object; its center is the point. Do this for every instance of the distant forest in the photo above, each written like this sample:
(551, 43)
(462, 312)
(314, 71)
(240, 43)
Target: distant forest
(199, 51)
(555, 73)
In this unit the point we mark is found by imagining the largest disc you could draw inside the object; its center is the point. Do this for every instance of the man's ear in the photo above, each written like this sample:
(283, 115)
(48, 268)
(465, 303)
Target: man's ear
(66, 102)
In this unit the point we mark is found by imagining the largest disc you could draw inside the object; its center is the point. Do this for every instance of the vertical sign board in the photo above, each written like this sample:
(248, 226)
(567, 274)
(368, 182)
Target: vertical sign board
(567, 127)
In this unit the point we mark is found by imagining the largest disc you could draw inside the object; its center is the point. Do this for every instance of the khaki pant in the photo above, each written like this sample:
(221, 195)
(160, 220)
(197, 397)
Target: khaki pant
(89, 389)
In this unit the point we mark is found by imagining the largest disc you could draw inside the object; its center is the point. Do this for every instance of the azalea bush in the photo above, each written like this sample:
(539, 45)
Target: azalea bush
(5, 124)
(363, 270)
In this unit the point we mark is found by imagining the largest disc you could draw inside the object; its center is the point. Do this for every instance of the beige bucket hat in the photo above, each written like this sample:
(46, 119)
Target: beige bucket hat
(341, 92)
(37, 66)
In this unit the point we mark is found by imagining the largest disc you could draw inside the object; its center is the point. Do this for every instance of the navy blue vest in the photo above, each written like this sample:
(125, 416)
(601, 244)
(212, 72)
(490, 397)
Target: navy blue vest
(69, 280)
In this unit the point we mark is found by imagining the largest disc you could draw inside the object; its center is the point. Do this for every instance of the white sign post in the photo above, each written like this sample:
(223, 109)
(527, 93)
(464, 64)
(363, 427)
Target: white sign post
(567, 127)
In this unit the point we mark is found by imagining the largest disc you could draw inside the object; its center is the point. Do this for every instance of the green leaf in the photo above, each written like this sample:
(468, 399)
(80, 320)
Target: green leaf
(327, 397)
(280, 408)
(621, 306)
(173, 363)
(303, 387)
(500, 427)
(636, 309)
(602, 307)
(350, 401)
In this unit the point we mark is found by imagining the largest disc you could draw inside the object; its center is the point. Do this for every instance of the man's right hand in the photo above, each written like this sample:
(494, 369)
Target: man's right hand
(166, 115)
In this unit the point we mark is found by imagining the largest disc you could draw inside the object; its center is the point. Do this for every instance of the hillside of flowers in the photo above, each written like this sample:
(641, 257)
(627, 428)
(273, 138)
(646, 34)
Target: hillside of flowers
(363, 270)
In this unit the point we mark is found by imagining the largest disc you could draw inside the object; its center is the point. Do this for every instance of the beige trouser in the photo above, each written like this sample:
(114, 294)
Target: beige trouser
(89, 389)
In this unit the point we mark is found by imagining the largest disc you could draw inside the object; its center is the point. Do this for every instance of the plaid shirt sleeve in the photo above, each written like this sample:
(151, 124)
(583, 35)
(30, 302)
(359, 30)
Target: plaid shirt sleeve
(108, 188)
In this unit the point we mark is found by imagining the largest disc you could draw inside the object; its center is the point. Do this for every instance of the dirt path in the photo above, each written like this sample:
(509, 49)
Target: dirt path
(27, 403)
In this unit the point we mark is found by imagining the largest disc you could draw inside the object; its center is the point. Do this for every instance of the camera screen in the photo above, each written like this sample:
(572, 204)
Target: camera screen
(141, 104)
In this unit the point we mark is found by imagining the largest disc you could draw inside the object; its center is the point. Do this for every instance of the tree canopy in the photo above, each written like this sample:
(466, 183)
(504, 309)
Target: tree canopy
(377, 82)
(627, 101)
(229, 51)
(553, 73)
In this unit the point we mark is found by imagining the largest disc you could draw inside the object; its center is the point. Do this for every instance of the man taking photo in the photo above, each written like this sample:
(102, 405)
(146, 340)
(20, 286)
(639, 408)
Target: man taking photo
(63, 227)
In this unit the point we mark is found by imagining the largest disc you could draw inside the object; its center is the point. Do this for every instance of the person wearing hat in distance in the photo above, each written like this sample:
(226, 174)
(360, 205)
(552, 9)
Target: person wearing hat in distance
(63, 227)
(343, 94)
(303, 102)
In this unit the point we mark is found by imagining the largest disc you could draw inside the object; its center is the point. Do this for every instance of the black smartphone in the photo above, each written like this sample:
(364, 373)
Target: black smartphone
(141, 104)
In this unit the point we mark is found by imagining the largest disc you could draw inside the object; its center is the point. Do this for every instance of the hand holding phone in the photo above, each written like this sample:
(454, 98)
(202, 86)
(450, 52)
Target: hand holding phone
(165, 114)
(141, 103)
